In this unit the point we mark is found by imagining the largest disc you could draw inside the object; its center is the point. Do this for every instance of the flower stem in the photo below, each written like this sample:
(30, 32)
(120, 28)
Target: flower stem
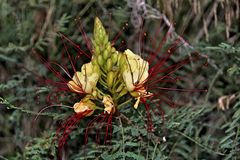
(100, 91)
(123, 137)
(124, 103)
(154, 151)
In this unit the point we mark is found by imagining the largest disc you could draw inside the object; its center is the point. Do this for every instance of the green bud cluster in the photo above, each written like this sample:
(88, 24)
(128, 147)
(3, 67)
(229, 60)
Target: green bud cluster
(109, 61)
(99, 34)
(102, 49)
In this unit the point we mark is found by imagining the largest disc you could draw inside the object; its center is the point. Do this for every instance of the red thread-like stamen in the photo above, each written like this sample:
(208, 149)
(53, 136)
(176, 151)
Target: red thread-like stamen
(149, 119)
(91, 124)
(66, 128)
(85, 37)
(77, 47)
(109, 124)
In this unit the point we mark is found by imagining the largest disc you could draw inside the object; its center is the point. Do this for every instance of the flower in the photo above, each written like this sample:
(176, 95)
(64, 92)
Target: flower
(86, 80)
(135, 74)
(136, 71)
(84, 105)
(108, 104)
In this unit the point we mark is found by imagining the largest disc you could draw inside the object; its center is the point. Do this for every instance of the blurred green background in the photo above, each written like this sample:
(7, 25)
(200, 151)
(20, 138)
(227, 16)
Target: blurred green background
(207, 127)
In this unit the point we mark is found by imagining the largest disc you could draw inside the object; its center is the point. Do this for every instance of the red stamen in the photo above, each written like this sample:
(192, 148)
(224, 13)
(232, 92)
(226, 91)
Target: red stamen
(90, 125)
(68, 55)
(149, 119)
(164, 58)
(66, 128)
(118, 34)
(85, 37)
(153, 56)
(109, 124)
(183, 90)
(77, 47)
(101, 123)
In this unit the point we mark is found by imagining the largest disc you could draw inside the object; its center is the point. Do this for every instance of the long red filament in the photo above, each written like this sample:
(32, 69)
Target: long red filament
(66, 128)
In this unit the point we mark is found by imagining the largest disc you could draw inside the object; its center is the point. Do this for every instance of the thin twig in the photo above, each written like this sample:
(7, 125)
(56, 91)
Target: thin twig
(123, 137)
(48, 20)
(199, 144)
(207, 22)
(10, 106)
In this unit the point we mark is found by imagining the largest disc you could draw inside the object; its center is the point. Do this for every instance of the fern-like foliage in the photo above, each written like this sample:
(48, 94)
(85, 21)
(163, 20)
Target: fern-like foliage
(230, 142)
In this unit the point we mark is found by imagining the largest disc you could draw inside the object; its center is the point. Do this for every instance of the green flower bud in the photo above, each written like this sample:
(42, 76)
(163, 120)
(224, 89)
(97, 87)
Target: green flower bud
(122, 60)
(110, 77)
(100, 60)
(100, 37)
(97, 50)
(94, 61)
(109, 64)
(114, 58)
(109, 47)
(113, 49)
(105, 40)
(94, 44)
(99, 33)
(105, 54)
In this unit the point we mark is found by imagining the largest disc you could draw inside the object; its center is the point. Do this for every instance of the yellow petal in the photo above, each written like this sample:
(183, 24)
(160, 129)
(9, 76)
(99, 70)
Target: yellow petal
(86, 80)
(137, 103)
(74, 87)
(128, 80)
(136, 71)
(108, 104)
(82, 107)
(108, 109)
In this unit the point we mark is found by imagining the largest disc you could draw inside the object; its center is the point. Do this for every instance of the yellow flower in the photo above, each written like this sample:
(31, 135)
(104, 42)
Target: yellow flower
(136, 71)
(83, 106)
(140, 93)
(86, 80)
(108, 104)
